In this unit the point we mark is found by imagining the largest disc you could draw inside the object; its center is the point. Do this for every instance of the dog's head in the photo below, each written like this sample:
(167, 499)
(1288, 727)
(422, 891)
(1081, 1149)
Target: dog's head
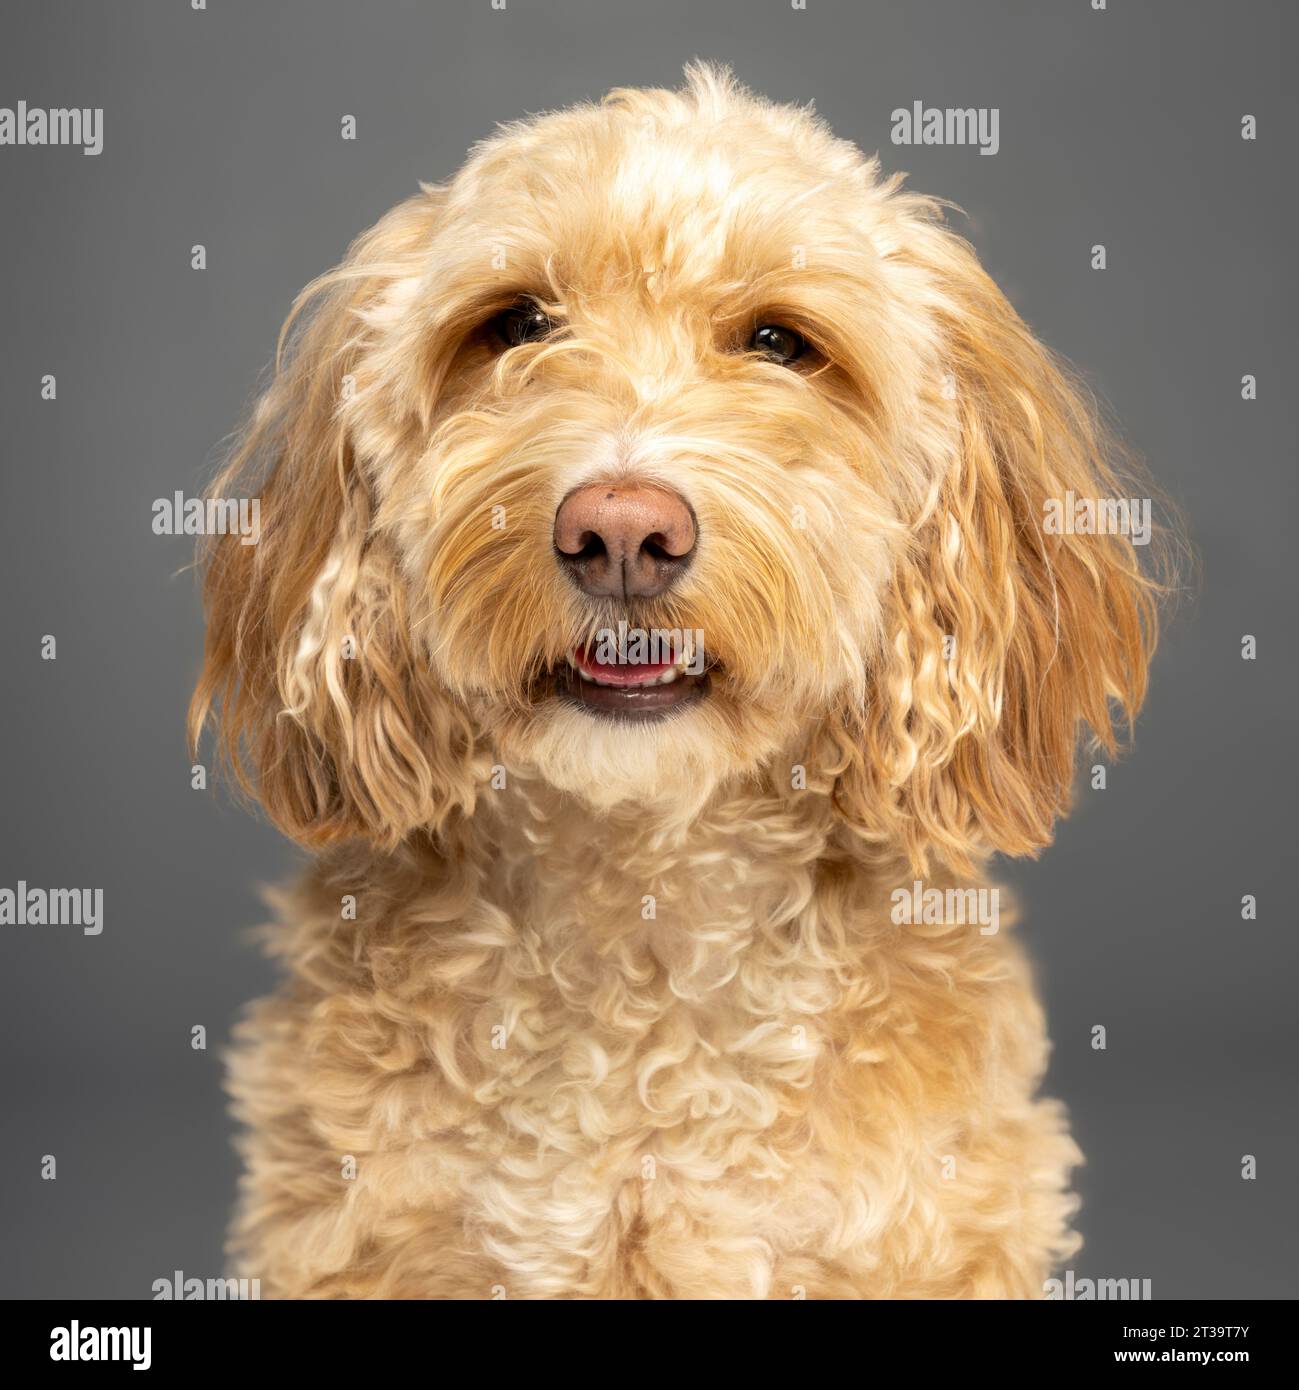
(681, 369)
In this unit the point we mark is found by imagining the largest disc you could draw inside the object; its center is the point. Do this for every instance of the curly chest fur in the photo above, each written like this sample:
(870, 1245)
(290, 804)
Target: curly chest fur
(714, 1070)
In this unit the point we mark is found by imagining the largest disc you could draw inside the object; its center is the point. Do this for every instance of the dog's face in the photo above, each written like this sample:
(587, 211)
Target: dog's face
(653, 356)
(681, 368)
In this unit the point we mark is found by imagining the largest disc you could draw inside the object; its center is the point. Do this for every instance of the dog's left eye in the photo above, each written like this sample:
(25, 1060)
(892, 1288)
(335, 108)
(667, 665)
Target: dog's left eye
(524, 322)
(779, 343)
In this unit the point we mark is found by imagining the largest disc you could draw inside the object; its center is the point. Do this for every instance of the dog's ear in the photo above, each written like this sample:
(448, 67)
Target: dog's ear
(327, 713)
(1009, 636)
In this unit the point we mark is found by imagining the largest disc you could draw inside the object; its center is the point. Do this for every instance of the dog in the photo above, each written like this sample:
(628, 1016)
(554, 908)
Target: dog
(652, 617)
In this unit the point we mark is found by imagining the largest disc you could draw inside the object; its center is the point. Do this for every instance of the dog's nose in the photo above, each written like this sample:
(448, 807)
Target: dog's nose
(624, 542)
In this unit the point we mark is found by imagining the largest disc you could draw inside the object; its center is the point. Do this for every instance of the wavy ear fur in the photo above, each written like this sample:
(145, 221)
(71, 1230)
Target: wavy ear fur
(967, 746)
(327, 713)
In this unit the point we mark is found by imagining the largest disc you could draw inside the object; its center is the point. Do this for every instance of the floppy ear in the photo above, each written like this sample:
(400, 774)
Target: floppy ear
(327, 712)
(1008, 637)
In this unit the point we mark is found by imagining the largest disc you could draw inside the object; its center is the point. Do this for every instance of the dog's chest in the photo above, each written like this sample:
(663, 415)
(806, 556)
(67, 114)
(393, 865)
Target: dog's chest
(657, 1046)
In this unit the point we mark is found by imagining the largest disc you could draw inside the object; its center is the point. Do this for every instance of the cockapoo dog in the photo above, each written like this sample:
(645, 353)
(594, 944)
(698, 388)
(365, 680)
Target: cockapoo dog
(653, 619)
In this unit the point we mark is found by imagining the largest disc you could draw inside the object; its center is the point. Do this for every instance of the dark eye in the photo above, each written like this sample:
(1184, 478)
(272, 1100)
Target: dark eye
(524, 322)
(780, 344)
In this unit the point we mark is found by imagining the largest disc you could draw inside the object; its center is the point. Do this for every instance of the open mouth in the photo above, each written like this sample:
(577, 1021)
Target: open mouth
(640, 690)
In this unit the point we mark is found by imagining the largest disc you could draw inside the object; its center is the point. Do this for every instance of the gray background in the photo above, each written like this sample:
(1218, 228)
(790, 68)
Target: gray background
(222, 128)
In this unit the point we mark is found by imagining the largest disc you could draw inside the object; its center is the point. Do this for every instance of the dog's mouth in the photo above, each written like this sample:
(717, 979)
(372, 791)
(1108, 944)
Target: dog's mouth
(604, 683)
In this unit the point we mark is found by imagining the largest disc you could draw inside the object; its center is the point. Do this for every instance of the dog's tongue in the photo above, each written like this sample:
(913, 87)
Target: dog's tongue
(620, 672)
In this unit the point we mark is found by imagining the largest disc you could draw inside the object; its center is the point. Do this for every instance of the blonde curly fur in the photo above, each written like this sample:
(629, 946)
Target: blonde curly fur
(624, 1011)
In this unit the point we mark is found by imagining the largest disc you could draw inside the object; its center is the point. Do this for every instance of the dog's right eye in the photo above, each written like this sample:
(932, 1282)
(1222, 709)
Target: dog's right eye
(524, 322)
(779, 343)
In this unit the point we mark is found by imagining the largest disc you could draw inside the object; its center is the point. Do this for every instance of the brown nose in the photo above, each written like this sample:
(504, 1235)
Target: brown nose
(624, 542)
